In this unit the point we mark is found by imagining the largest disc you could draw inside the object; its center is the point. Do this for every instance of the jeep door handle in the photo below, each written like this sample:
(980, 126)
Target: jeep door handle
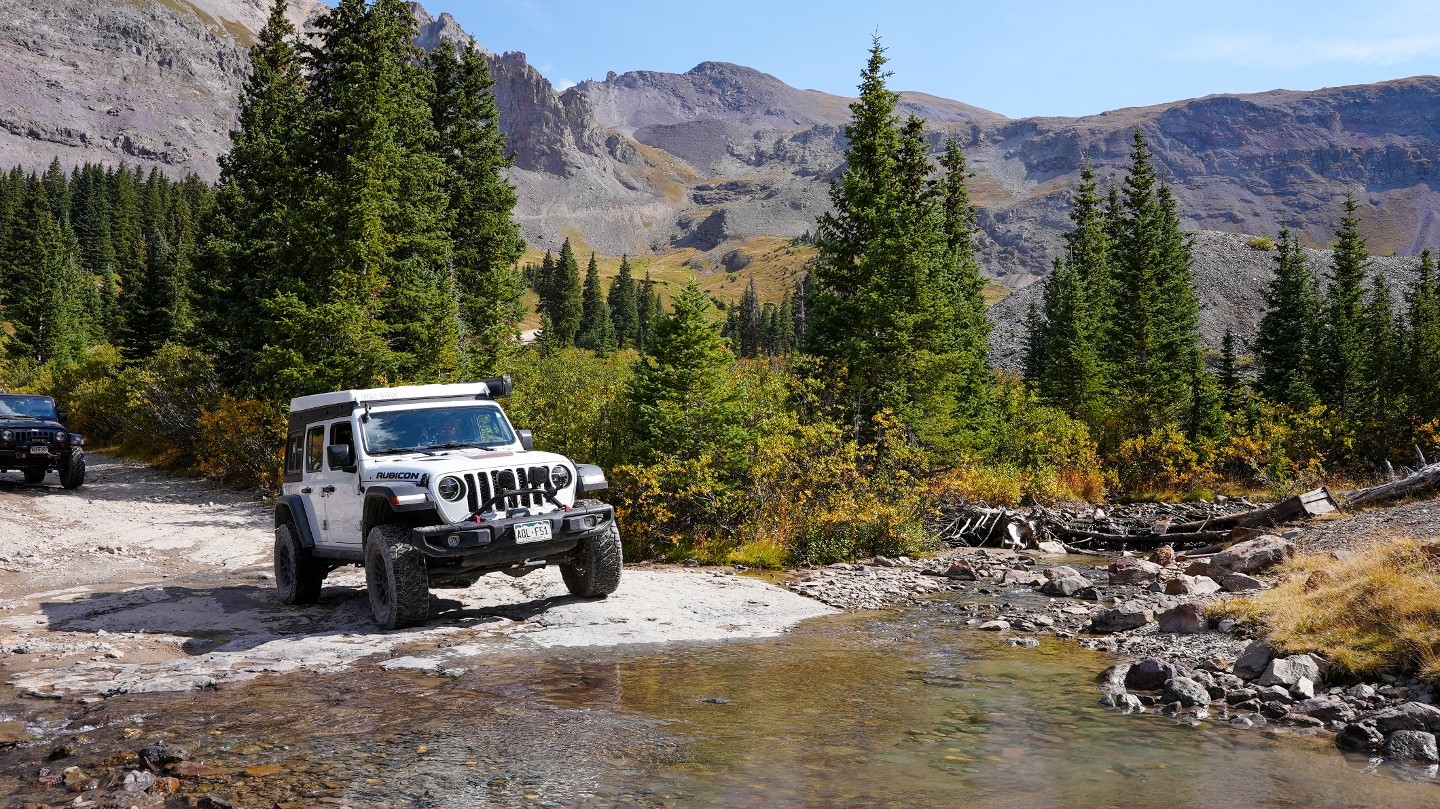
(306, 490)
(327, 490)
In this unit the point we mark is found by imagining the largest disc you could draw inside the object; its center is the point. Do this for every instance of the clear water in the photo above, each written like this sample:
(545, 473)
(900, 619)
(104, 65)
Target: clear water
(901, 709)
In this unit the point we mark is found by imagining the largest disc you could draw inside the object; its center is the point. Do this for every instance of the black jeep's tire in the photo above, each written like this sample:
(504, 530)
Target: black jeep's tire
(34, 475)
(298, 575)
(72, 471)
(595, 573)
(395, 576)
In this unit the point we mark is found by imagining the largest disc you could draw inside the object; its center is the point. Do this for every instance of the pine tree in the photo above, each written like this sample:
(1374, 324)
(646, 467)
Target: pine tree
(1380, 378)
(1422, 343)
(648, 310)
(1341, 374)
(1286, 340)
(624, 306)
(1152, 341)
(597, 333)
(748, 330)
(1227, 376)
(41, 280)
(683, 403)
(486, 239)
(567, 305)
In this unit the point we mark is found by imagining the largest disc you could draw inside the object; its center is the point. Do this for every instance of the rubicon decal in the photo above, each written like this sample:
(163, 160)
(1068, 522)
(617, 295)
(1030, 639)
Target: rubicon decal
(397, 476)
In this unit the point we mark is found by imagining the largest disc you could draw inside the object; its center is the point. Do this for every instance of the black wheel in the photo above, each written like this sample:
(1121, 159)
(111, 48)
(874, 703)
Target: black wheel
(395, 577)
(72, 470)
(298, 575)
(595, 573)
(34, 475)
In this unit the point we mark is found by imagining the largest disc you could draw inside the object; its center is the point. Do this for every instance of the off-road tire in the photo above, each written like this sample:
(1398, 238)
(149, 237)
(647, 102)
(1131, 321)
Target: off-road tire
(395, 577)
(595, 573)
(298, 575)
(72, 471)
(34, 475)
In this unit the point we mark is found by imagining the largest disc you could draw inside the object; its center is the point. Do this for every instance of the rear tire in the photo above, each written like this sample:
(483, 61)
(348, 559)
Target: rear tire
(395, 577)
(298, 575)
(34, 476)
(595, 573)
(72, 470)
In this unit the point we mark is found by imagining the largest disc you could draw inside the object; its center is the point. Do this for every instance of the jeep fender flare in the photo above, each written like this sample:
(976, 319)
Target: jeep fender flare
(293, 508)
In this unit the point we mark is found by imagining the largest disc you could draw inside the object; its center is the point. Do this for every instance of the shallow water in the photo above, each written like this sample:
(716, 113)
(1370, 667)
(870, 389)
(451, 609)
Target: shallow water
(903, 709)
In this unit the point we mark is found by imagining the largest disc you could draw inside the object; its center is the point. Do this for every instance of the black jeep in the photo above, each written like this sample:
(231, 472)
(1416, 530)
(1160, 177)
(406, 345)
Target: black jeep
(34, 440)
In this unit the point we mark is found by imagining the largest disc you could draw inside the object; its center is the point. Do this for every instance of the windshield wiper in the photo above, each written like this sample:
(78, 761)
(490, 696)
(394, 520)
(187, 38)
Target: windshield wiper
(401, 450)
(463, 445)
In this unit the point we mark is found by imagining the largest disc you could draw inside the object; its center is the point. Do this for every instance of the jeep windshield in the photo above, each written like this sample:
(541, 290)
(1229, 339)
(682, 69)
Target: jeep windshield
(27, 407)
(423, 429)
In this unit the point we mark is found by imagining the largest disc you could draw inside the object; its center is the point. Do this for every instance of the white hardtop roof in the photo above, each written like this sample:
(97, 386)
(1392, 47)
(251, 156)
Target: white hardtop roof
(466, 390)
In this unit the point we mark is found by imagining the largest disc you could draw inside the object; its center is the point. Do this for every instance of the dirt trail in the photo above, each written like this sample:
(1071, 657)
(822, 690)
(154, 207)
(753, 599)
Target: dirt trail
(146, 581)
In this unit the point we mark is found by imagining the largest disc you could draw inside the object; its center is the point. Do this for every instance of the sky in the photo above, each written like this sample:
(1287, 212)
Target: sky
(1017, 58)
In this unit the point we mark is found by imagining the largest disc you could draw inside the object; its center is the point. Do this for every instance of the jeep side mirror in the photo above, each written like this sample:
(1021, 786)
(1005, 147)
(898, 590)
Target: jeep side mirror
(340, 455)
(62, 416)
(527, 439)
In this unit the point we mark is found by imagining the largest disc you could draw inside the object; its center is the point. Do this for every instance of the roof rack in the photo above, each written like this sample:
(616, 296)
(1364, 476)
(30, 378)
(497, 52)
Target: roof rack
(491, 388)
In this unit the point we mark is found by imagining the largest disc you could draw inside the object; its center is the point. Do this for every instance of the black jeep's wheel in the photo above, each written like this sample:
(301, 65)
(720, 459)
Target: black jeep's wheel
(72, 470)
(396, 578)
(596, 570)
(298, 575)
(34, 475)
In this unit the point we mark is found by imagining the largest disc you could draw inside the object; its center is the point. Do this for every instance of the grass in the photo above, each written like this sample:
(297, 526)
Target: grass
(1375, 612)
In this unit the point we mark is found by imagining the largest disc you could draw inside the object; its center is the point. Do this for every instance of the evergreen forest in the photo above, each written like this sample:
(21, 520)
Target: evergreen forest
(362, 234)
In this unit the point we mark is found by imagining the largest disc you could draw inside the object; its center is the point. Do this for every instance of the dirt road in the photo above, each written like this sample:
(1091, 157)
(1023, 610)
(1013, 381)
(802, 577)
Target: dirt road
(146, 581)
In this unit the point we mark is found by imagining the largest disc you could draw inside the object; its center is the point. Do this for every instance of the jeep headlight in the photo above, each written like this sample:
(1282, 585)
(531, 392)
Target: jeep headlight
(6, 435)
(560, 477)
(450, 488)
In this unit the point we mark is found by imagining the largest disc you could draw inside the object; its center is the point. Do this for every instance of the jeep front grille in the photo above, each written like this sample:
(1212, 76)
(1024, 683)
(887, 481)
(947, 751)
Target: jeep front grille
(481, 486)
(36, 436)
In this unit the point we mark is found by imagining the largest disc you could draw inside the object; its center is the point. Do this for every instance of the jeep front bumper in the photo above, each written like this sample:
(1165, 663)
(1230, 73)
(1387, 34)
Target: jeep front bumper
(512, 539)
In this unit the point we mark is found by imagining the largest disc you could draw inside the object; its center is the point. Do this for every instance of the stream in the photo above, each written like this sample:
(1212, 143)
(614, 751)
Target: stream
(901, 708)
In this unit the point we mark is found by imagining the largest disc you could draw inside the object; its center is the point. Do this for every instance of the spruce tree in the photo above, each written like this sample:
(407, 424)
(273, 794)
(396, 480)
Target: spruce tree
(485, 237)
(42, 283)
(1380, 377)
(1422, 343)
(597, 333)
(567, 305)
(624, 306)
(1341, 374)
(1227, 376)
(1286, 340)
(648, 310)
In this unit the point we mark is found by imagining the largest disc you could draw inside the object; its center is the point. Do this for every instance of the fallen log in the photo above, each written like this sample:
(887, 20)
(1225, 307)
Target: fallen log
(1301, 506)
(1425, 480)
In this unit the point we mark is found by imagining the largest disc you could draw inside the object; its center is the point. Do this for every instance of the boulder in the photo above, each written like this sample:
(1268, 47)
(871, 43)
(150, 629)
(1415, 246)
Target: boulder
(1274, 693)
(1066, 586)
(1411, 745)
(1240, 695)
(1013, 576)
(1199, 567)
(1091, 593)
(1123, 616)
(1163, 555)
(1304, 688)
(1185, 585)
(960, 570)
(1061, 572)
(1150, 674)
(1241, 583)
(1050, 548)
(1186, 618)
(1405, 716)
(1129, 570)
(1261, 553)
(994, 626)
(1287, 671)
(1185, 691)
(1326, 708)
(1253, 660)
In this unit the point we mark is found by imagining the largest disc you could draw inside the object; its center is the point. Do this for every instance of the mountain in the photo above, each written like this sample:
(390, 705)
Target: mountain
(708, 161)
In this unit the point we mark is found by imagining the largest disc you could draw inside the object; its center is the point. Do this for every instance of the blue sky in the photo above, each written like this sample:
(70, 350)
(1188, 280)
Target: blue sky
(1018, 58)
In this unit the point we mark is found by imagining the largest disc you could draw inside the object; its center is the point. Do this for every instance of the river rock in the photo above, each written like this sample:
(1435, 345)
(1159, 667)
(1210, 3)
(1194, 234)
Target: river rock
(1163, 555)
(994, 626)
(1361, 691)
(1287, 671)
(1091, 593)
(1150, 674)
(1304, 688)
(1184, 585)
(13, 733)
(1186, 618)
(1050, 548)
(1123, 616)
(1066, 586)
(74, 777)
(1014, 576)
(1061, 572)
(1239, 695)
(1274, 693)
(1261, 553)
(1199, 567)
(1325, 708)
(1405, 716)
(1253, 660)
(961, 571)
(1411, 745)
(1129, 570)
(1185, 691)
(1241, 583)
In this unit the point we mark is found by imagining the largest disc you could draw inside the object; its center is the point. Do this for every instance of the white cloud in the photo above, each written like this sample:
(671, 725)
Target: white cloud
(1268, 51)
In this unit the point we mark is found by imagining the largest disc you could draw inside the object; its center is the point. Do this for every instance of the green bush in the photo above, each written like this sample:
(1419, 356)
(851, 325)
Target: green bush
(1261, 243)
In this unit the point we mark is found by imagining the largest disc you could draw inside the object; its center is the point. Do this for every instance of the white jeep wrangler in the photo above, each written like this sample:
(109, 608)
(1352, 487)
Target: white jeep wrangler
(430, 486)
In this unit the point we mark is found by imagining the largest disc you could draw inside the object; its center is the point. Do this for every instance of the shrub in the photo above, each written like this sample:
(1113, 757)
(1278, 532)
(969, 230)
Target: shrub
(1163, 461)
(241, 441)
(1261, 243)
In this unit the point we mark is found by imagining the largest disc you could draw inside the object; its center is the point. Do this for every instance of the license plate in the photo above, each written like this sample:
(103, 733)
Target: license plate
(40, 449)
(532, 531)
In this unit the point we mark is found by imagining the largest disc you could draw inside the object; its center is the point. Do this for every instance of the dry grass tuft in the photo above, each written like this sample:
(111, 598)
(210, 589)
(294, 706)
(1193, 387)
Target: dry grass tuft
(1376, 611)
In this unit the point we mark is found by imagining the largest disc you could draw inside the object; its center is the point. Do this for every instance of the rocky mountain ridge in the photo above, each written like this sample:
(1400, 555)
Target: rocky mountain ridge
(647, 162)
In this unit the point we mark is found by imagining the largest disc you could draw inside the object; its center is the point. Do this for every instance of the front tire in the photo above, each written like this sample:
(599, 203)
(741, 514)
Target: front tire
(595, 573)
(72, 471)
(395, 577)
(33, 476)
(298, 576)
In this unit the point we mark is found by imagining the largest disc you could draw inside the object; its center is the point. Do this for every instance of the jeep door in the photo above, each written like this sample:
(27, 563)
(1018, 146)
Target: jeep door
(331, 489)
